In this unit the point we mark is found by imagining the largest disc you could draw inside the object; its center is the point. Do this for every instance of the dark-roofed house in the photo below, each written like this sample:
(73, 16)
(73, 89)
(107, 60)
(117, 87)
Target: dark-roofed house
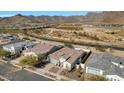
(107, 65)
(41, 49)
(67, 57)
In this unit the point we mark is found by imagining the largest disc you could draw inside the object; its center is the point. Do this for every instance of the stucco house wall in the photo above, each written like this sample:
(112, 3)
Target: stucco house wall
(114, 78)
(94, 71)
(53, 61)
(67, 65)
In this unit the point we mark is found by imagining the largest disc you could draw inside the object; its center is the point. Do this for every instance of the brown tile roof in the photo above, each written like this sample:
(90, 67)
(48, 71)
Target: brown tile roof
(71, 55)
(41, 48)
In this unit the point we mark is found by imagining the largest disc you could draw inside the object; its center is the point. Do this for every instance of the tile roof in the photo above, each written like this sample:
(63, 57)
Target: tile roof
(71, 55)
(40, 48)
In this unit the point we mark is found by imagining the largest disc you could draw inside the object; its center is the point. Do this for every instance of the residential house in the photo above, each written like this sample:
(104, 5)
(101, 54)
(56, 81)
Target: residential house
(41, 49)
(5, 38)
(67, 58)
(107, 65)
(18, 47)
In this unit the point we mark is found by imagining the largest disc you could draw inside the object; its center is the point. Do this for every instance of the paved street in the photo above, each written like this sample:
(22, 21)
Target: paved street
(13, 73)
(23, 75)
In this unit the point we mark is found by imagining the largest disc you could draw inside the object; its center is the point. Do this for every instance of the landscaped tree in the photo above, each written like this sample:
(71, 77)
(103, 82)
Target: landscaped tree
(3, 53)
(29, 60)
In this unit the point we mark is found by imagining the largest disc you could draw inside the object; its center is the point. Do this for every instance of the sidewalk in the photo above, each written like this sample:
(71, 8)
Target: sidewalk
(41, 71)
(45, 73)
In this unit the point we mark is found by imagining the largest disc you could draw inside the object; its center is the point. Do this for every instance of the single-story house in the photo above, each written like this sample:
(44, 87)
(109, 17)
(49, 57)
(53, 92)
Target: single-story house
(67, 58)
(18, 47)
(41, 49)
(107, 65)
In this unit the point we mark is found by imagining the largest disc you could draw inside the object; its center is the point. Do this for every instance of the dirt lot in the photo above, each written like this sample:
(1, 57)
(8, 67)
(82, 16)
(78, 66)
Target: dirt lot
(54, 69)
(94, 34)
(118, 53)
(74, 74)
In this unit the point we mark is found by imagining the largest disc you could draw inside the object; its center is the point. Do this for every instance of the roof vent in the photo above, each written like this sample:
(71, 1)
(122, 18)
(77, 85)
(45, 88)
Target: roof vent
(121, 63)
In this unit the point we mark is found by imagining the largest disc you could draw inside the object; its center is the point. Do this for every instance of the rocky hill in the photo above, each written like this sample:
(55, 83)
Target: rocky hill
(116, 17)
(105, 17)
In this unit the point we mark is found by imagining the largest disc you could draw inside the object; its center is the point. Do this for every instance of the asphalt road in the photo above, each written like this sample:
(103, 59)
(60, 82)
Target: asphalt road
(13, 73)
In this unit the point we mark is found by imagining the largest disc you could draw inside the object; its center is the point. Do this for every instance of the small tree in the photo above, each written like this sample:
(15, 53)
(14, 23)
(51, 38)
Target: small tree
(29, 60)
(3, 53)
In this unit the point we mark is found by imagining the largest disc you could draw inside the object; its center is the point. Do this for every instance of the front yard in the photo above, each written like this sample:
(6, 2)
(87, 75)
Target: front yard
(75, 74)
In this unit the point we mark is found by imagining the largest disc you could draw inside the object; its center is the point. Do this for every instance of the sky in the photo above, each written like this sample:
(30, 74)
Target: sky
(38, 13)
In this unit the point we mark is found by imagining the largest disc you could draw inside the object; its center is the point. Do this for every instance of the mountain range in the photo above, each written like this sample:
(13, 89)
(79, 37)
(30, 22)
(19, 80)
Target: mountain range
(112, 17)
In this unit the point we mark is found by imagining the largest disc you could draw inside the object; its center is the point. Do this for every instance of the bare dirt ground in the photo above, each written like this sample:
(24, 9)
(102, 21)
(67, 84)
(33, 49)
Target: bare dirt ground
(87, 34)
(118, 53)
(112, 51)
(74, 74)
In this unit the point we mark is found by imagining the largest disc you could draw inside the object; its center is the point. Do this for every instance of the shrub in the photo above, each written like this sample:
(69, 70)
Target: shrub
(3, 53)
(29, 60)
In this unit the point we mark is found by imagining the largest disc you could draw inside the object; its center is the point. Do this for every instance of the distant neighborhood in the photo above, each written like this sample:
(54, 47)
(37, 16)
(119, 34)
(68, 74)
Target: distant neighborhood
(86, 47)
(47, 58)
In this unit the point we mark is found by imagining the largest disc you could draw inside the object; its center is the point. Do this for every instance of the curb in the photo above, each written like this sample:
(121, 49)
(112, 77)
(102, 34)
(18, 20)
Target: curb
(4, 78)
